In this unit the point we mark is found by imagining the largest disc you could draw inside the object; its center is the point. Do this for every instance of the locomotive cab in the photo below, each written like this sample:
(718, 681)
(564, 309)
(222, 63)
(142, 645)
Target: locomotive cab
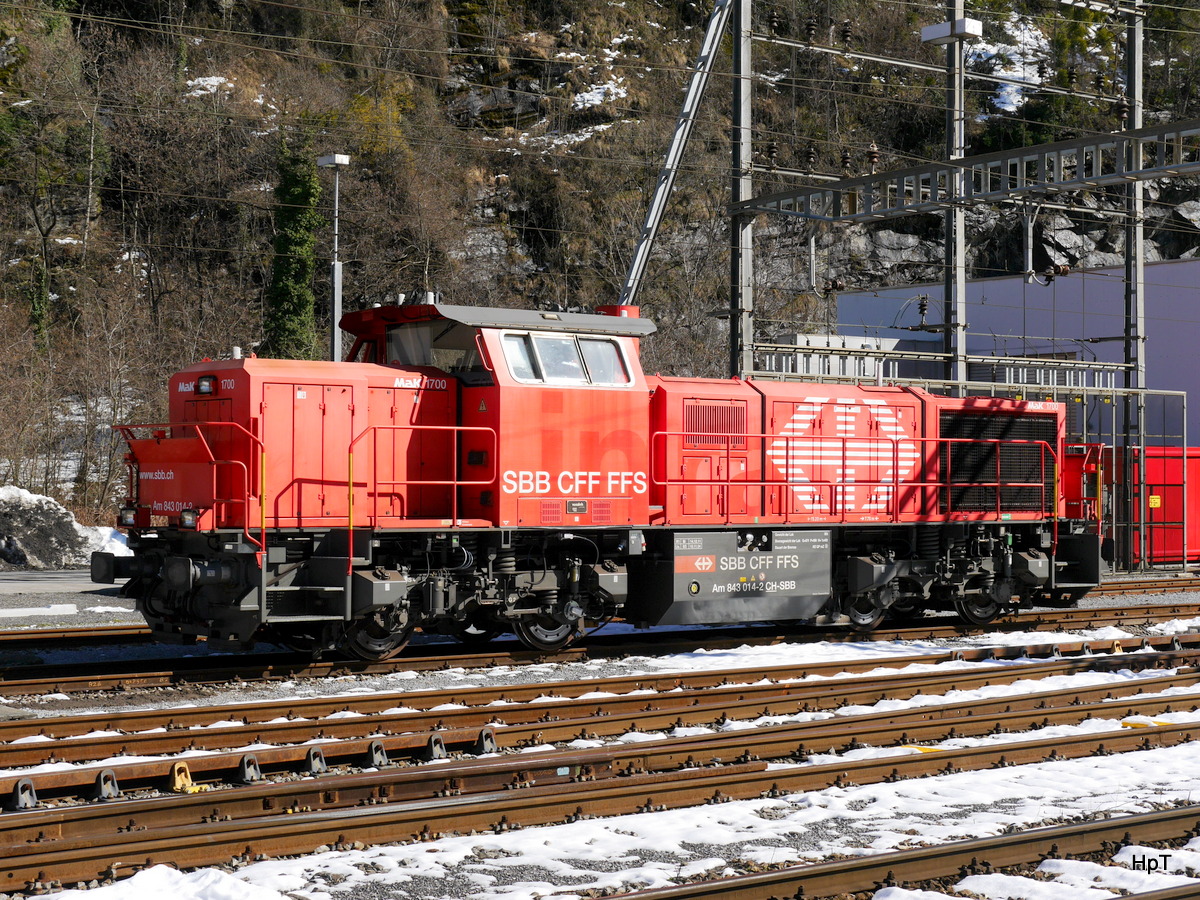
(552, 453)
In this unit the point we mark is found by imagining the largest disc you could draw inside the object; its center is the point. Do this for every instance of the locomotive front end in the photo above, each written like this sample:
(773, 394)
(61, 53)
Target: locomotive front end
(192, 505)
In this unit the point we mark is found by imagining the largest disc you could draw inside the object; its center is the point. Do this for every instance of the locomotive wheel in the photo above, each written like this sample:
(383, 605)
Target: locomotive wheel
(372, 641)
(978, 610)
(864, 613)
(544, 633)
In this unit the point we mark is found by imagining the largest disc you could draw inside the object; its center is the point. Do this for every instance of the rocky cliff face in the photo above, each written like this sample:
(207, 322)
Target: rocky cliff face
(1084, 234)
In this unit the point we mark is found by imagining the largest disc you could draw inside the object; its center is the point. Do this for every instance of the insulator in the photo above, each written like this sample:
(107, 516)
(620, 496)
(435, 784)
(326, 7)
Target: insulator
(810, 29)
(846, 161)
(1043, 70)
(772, 153)
(835, 284)
(1123, 109)
(1098, 81)
(1072, 77)
(847, 31)
(1054, 271)
(923, 306)
(775, 21)
(811, 156)
(873, 155)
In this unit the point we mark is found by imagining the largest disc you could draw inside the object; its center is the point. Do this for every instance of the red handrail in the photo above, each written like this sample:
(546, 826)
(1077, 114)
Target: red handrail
(847, 444)
(126, 431)
(374, 430)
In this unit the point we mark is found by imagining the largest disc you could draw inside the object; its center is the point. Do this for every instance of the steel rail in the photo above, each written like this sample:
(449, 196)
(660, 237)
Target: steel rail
(145, 674)
(1181, 892)
(914, 867)
(81, 858)
(561, 719)
(787, 741)
(91, 635)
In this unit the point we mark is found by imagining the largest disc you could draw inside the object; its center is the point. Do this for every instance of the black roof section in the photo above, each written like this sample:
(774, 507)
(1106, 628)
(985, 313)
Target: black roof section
(536, 320)
(489, 317)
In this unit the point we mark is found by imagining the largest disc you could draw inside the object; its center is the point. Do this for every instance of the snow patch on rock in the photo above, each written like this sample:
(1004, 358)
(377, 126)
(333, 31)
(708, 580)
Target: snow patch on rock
(37, 532)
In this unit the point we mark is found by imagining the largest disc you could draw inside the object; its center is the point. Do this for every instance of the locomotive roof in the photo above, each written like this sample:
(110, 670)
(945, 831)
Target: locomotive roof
(489, 317)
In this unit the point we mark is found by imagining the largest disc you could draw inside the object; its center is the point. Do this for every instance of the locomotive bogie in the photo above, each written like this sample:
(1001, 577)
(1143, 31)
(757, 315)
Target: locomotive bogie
(471, 471)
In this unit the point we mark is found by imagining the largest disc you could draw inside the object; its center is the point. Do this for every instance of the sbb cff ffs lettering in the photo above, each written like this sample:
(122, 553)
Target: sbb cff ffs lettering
(525, 481)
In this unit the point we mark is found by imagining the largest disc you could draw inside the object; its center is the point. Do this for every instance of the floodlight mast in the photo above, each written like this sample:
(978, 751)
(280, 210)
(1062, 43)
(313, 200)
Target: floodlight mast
(335, 161)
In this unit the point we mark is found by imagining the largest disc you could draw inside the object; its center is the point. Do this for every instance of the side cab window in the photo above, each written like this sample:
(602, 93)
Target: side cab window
(448, 346)
(565, 359)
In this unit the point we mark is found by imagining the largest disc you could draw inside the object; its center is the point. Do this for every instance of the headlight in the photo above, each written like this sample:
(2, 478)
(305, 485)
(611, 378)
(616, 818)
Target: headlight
(188, 518)
(127, 516)
(206, 384)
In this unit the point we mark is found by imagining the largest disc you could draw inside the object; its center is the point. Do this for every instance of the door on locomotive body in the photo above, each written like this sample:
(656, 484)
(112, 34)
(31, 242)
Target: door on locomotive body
(417, 417)
(706, 437)
(406, 466)
(228, 481)
(306, 425)
(570, 409)
(843, 453)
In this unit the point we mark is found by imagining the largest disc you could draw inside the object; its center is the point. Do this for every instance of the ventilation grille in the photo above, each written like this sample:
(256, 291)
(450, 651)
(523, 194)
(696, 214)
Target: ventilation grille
(602, 512)
(1022, 466)
(712, 426)
(552, 512)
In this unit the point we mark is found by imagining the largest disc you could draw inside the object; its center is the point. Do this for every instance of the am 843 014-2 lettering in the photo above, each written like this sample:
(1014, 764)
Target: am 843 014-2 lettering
(473, 471)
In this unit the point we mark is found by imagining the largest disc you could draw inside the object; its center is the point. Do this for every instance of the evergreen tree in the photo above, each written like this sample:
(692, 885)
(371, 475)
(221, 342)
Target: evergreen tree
(289, 326)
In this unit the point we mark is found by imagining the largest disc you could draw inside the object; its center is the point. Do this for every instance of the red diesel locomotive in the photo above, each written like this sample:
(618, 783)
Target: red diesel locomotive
(474, 471)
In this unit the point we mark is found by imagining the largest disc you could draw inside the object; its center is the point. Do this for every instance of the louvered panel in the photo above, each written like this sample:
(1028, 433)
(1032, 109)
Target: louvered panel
(714, 426)
(968, 463)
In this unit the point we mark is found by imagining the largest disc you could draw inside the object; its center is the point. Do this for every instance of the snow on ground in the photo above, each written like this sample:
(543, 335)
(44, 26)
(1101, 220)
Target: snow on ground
(163, 881)
(651, 850)
(656, 849)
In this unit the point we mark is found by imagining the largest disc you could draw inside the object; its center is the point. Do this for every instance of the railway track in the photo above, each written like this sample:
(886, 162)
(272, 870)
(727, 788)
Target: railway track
(380, 739)
(81, 842)
(136, 634)
(405, 723)
(124, 675)
(915, 867)
(1163, 584)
